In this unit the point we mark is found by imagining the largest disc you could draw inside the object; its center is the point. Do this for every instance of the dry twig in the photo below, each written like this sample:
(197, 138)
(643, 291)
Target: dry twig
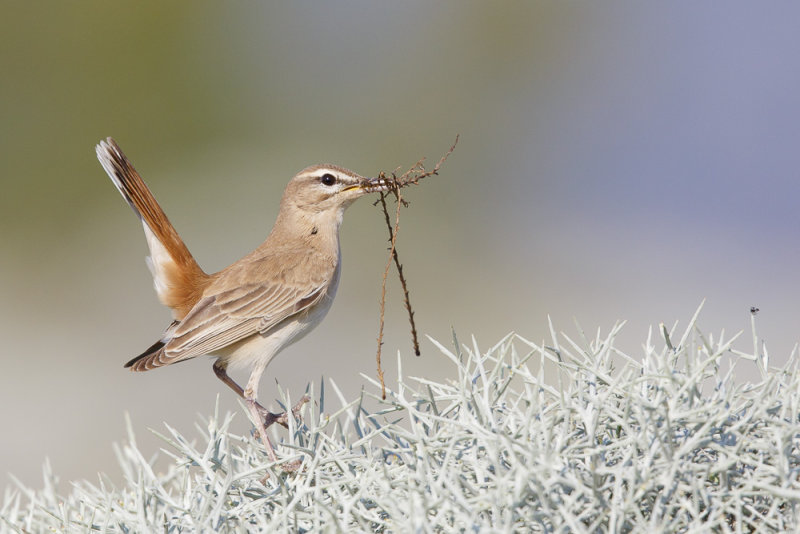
(392, 254)
(399, 266)
(411, 177)
(417, 172)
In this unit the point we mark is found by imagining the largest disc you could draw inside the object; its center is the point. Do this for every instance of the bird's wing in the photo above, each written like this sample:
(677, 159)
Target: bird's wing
(223, 318)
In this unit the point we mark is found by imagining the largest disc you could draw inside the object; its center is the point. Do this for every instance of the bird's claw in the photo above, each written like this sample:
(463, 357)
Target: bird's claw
(287, 467)
(283, 418)
(293, 466)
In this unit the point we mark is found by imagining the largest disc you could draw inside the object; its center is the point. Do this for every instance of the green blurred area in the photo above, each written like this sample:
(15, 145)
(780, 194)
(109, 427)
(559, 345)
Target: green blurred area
(285, 84)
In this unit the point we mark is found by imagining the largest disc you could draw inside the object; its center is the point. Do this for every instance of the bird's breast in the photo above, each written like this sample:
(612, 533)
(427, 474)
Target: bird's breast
(267, 345)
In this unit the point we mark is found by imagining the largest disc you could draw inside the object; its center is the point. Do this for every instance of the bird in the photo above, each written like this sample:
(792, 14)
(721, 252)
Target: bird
(245, 314)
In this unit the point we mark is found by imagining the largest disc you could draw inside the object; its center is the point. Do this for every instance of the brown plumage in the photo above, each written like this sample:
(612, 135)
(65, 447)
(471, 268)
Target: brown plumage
(184, 280)
(248, 312)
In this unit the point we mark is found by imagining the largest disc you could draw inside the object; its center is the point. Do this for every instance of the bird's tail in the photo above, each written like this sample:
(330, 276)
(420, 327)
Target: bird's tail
(149, 359)
(178, 279)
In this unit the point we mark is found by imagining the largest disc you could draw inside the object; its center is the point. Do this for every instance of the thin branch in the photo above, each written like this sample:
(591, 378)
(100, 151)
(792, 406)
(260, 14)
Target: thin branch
(411, 177)
(392, 255)
(417, 172)
(399, 266)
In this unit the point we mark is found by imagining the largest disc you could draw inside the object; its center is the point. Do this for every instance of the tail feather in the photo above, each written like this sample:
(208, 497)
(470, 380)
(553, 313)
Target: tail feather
(155, 355)
(178, 279)
(150, 359)
(143, 362)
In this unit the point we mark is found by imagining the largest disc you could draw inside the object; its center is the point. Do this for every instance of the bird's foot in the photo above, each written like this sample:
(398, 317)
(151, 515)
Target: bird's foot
(293, 466)
(283, 418)
(287, 467)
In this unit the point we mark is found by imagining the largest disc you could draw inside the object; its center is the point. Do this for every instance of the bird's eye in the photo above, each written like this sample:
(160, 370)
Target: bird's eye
(328, 179)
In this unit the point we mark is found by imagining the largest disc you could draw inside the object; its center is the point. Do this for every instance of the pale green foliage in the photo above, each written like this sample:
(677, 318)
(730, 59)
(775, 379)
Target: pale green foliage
(663, 442)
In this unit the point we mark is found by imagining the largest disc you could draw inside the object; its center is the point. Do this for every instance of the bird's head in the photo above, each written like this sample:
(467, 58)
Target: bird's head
(327, 190)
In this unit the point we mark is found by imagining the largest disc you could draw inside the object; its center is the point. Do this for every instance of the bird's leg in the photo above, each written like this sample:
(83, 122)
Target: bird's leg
(262, 430)
(222, 373)
(267, 416)
(262, 418)
(255, 409)
(283, 419)
(253, 406)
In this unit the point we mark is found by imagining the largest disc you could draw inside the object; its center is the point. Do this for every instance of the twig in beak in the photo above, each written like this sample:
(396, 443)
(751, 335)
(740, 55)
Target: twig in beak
(393, 184)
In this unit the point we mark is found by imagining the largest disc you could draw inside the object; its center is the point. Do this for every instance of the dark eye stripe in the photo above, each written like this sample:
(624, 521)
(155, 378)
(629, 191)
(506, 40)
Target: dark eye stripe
(328, 179)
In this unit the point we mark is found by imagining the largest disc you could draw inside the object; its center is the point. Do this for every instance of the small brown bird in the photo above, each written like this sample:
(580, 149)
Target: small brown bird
(248, 312)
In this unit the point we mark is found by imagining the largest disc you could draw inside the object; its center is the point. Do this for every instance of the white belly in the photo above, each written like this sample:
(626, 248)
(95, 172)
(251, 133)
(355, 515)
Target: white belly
(259, 347)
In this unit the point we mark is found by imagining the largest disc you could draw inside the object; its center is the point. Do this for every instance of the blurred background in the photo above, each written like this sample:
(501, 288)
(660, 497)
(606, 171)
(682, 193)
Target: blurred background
(618, 161)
